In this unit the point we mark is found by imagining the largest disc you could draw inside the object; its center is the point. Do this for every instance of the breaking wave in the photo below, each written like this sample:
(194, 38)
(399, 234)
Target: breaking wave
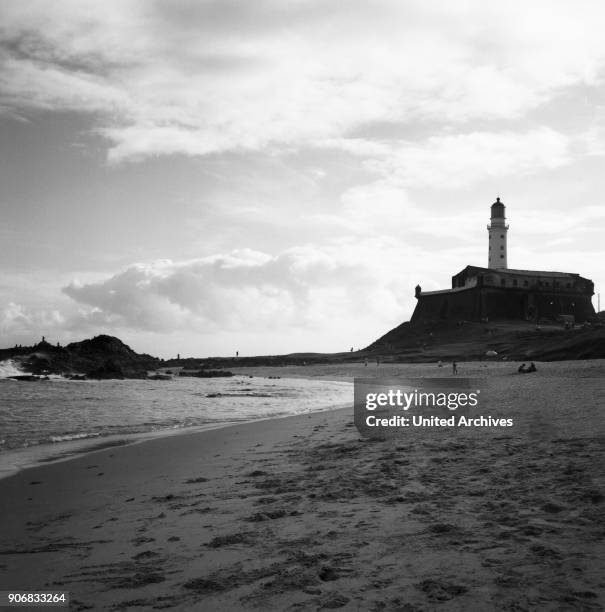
(9, 368)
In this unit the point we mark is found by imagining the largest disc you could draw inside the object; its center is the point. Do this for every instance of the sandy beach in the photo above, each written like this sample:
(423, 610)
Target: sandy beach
(301, 513)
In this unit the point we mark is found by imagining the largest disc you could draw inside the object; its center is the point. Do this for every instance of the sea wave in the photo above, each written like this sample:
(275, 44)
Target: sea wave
(50, 416)
(9, 368)
(74, 436)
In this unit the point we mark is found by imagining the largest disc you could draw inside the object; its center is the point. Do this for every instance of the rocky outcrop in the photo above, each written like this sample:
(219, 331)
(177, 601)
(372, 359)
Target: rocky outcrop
(108, 357)
(100, 357)
(207, 373)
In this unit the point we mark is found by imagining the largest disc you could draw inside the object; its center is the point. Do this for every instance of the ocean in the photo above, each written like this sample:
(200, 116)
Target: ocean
(48, 420)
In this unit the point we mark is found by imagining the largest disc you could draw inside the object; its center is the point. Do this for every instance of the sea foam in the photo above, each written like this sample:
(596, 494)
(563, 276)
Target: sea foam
(9, 368)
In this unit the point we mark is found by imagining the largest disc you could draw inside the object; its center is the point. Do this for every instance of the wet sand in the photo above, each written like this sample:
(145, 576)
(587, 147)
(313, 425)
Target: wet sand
(302, 513)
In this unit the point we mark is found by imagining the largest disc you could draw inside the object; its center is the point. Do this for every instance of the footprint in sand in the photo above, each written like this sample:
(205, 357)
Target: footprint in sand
(196, 480)
(440, 590)
(332, 601)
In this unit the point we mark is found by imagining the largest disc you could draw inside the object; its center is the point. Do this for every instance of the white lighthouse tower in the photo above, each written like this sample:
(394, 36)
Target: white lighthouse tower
(497, 230)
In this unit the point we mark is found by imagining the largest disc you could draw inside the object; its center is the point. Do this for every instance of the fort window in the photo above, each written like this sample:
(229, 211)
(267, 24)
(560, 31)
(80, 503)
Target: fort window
(515, 283)
(525, 283)
(501, 235)
(502, 247)
(501, 256)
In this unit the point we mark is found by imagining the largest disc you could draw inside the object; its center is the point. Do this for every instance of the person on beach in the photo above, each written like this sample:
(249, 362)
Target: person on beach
(454, 367)
(522, 369)
(532, 367)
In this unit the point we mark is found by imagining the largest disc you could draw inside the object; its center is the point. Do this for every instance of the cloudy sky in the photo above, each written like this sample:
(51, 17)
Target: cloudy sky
(206, 176)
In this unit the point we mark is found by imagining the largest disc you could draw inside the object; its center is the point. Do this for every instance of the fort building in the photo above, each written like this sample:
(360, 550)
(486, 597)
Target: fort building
(499, 292)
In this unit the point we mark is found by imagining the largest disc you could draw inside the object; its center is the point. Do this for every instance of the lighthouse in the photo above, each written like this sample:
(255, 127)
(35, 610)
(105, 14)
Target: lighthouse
(497, 230)
(501, 293)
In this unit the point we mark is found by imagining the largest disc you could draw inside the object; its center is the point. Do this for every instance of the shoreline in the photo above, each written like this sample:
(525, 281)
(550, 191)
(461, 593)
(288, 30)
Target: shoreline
(72, 449)
(302, 513)
(16, 460)
(50, 453)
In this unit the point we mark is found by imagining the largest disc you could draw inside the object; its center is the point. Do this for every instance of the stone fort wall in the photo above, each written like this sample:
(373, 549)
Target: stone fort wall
(497, 302)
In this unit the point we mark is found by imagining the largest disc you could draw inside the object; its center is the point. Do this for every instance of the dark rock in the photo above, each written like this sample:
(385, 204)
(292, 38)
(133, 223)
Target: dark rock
(110, 370)
(207, 373)
(99, 357)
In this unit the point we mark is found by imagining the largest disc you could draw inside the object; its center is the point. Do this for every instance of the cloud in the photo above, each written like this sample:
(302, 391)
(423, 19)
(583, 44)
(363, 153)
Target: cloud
(18, 319)
(463, 159)
(437, 164)
(203, 77)
(304, 298)
(236, 291)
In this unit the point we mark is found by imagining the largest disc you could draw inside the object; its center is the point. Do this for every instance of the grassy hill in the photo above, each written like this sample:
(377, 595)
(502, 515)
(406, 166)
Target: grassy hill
(516, 340)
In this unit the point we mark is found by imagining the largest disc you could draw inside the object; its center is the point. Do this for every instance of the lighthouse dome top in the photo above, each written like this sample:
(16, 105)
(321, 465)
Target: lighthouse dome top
(497, 208)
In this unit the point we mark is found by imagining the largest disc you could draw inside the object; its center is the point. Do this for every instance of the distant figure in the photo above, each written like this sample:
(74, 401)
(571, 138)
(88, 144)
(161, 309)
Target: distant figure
(532, 367)
(351, 349)
(439, 364)
(377, 361)
(454, 367)
(178, 355)
(237, 353)
(522, 369)
(43, 338)
(365, 362)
